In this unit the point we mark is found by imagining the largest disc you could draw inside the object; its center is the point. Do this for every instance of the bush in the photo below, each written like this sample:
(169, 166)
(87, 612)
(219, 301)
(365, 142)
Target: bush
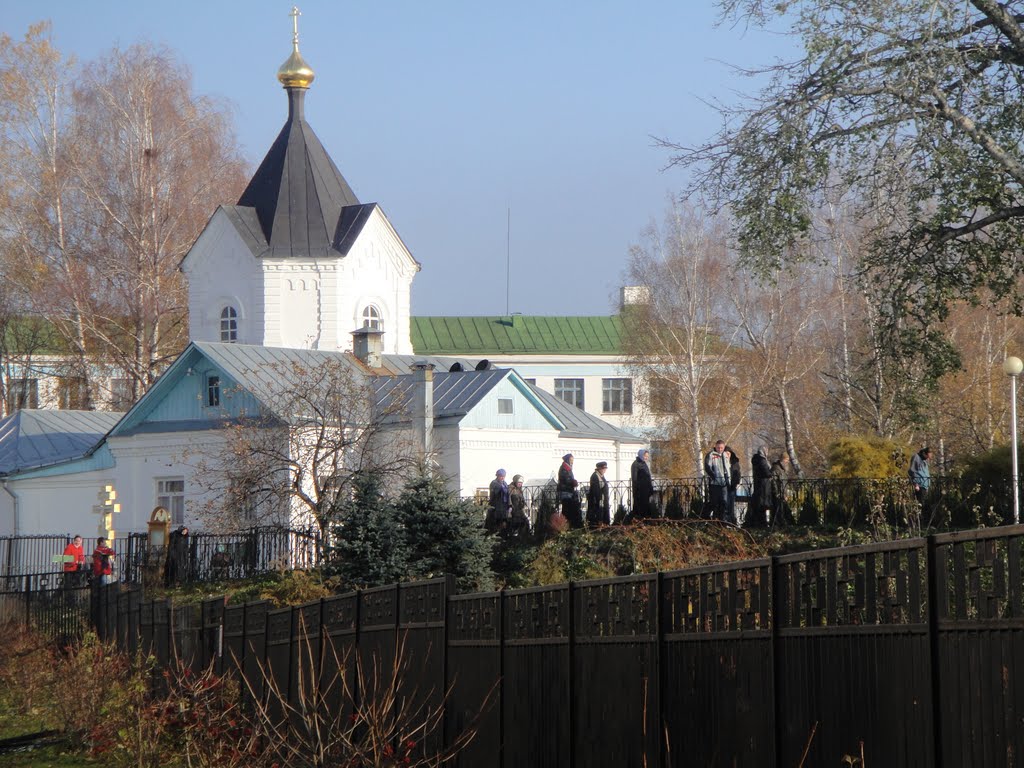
(867, 457)
(424, 533)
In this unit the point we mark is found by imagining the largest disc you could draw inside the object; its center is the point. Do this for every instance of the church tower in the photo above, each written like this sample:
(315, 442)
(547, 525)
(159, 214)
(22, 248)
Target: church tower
(299, 261)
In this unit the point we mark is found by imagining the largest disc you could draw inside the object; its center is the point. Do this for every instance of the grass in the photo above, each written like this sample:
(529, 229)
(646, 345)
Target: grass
(53, 756)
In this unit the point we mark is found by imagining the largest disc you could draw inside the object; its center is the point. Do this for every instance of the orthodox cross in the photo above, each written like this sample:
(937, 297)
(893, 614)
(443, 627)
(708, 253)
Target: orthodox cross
(295, 25)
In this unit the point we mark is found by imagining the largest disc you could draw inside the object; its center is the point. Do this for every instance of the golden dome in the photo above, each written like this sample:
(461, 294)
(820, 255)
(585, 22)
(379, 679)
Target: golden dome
(295, 72)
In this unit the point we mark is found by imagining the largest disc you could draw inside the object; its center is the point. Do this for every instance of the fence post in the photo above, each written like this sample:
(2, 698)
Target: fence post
(572, 677)
(28, 602)
(501, 678)
(449, 590)
(659, 673)
(933, 592)
(773, 584)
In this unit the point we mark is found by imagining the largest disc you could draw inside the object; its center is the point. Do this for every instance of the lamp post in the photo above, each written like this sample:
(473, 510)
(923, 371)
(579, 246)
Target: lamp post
(1012, 367)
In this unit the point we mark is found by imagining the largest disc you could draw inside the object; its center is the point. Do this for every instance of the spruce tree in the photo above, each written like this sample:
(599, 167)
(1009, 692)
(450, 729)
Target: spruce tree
(371, 542)
(445, 534)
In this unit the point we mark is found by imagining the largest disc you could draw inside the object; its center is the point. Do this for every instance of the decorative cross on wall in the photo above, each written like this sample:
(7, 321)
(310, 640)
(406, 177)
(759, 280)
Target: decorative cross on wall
(106, 509)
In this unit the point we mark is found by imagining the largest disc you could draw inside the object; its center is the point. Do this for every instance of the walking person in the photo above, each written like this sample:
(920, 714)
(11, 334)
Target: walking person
(780, 479)
(717, 470)
(759, 506)
(920, 473)
(499, 504)
(74, 562)
(735, 475)
(597, 497)
(103, 562)
(177, 557)
(520, 522)
(568, 493)
(643, 484)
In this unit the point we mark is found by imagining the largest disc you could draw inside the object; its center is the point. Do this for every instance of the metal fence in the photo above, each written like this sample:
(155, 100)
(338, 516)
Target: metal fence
(902, 653)
(951, 503)
(27, 562)
(53, 605)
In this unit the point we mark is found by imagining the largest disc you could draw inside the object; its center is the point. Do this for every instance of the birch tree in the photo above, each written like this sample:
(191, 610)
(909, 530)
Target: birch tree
(678, 340)
(919, 108)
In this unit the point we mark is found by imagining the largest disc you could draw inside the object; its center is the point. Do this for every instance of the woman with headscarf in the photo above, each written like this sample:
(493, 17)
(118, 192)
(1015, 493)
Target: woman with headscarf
(643, 484)
(761, 493)
(516, 497)
(568, 495)
(597, 497)
(498, 503)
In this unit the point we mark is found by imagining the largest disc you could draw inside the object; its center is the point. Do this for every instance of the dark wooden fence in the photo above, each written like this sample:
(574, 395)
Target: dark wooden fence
(908, 652)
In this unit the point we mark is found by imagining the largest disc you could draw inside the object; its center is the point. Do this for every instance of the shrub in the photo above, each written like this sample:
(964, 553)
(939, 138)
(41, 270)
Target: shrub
(867, 457)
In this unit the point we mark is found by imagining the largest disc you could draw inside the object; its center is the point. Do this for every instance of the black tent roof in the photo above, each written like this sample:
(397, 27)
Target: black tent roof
(303, 204)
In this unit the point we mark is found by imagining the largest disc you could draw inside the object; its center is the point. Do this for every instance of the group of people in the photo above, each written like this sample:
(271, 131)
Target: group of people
(767, 502)
(103, 559)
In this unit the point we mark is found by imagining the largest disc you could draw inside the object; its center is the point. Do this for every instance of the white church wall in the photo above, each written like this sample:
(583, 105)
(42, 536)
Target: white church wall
(222, 272)
(379, 271)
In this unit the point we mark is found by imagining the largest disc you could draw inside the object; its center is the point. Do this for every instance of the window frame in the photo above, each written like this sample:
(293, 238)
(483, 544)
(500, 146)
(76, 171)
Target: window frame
(511, 406)
(229, 324)
(212, 382)
(372, 317)
(171, 499)
(72, 393)
(577, 388)
(618, 389)
(22, 393)
(121, 401)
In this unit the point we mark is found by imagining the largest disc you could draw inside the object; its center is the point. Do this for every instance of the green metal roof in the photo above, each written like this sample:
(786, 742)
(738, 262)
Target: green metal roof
(523, 334)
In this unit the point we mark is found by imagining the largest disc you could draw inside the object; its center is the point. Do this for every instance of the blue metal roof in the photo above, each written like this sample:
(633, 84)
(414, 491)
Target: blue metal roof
(39, 438)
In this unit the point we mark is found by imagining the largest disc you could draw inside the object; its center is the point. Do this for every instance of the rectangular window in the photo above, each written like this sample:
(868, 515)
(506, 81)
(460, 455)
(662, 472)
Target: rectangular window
(506, 405)
(570, 390)
(617, 395)
(531, 382)
(22, 393)
(170, 494)
(72, 393)
(120, 394)
(664, 396)
(212, 391)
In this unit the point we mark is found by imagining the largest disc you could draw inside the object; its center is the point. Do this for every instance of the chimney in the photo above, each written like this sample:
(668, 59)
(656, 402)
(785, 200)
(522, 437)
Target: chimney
(368, 346)
(423, 406)
(632, 295)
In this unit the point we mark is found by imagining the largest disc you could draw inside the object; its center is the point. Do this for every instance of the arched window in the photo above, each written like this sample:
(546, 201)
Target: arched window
(372, 318)
(229, 324)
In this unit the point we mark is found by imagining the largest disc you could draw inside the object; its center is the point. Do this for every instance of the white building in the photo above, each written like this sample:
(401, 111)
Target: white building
(298, 271)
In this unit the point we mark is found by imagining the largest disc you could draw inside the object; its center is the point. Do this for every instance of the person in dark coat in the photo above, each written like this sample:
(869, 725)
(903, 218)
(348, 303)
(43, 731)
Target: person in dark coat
(520, 521)
(717, 469)
(597, 497)
(780, 479)
(568, 493)
(643, 484)
(760, 503)
(499, 503)
(735, 475)
(177, 557)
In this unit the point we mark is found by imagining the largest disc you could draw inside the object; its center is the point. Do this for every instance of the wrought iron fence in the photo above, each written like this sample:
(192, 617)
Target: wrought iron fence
(30, 562)
(950, 503)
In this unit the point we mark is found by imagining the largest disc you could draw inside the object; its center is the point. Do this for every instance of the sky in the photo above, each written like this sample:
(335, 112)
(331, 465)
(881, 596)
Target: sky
(512, 137)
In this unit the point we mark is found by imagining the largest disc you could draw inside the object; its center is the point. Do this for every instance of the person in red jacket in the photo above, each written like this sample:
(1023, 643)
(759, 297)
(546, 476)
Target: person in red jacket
(103, 562)
(74, 562)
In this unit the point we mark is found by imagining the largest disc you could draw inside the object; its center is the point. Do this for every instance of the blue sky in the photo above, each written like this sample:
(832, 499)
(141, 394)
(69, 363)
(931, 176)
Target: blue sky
(449, 114)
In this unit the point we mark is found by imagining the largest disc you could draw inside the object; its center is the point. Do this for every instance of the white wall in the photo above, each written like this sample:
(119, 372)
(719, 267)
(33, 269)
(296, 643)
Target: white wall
(221, 270)
(536, 455)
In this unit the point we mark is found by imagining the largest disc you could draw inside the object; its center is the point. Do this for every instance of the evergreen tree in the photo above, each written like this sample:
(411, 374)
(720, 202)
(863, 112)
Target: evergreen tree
(445, 534)
(371, 542)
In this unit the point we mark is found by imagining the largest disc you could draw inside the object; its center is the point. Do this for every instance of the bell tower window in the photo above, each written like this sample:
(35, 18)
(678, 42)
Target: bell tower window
(372, 318)
(229, 325)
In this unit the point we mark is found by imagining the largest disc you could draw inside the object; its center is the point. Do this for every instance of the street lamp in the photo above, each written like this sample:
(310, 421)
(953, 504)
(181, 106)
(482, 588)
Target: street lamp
(1012, 367)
